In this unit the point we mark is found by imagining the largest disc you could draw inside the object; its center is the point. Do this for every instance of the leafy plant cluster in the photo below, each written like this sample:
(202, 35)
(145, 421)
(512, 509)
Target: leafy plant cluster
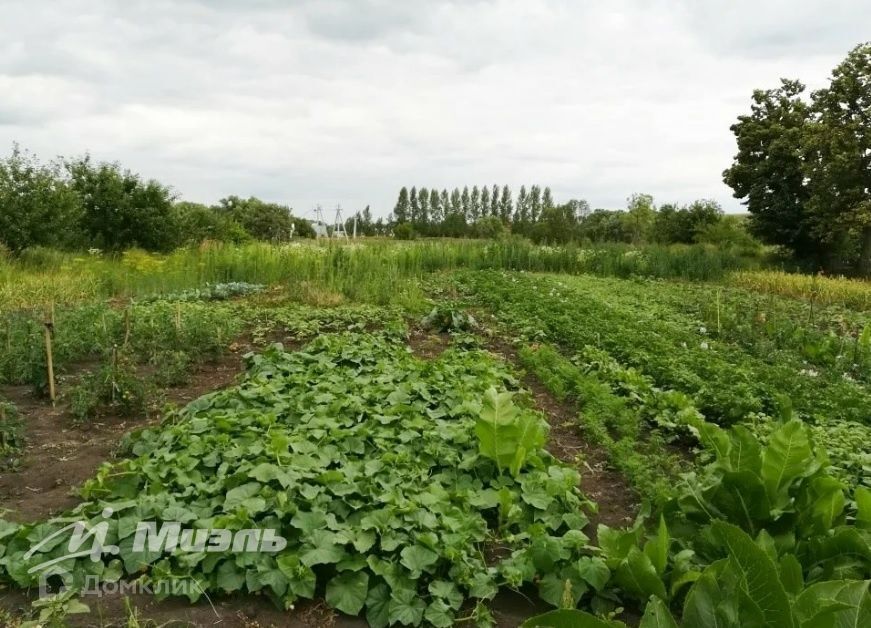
(613, 421)
(790, 555)
(726, 383)
(148, 333)
(828, 337)
(114, 388)
(11, 434)
(210, 292)
(449, 318)
(304, 321)
(393, 479)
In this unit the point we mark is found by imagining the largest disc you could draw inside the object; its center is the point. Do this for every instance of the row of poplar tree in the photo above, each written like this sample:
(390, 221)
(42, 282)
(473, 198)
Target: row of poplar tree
(430, 211)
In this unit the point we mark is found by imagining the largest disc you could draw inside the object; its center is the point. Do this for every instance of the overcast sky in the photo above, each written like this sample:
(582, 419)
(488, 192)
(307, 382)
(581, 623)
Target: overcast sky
(345, 101)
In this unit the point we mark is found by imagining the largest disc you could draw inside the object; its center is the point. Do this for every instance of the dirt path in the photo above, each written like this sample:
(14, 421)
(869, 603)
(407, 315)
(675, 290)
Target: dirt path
(615, 498)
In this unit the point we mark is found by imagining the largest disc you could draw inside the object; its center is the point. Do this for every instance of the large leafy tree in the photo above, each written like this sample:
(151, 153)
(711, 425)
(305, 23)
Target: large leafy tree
(119, 209)
(197, 222)
(639, 217)
(838, 160)
(37, 205)
(264, 221)
(767, 173)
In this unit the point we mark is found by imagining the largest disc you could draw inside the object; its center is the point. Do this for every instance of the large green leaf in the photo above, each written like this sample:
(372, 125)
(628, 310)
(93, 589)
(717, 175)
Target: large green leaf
(835, 604)
(569, 618)
(637, 575)
(757, 576)
(347, 591)
(657, 615)
(863, 504)
(787, 458)
(496, 428)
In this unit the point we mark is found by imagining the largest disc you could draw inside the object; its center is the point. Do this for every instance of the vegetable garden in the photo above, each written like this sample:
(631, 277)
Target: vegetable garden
(422, 425)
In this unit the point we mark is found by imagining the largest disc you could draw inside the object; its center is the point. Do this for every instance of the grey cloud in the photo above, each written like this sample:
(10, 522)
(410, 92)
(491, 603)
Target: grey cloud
(347, 100)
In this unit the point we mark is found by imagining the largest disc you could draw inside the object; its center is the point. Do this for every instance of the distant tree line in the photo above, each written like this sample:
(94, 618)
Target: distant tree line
(803, 166)
(490, 212)
(78, 203)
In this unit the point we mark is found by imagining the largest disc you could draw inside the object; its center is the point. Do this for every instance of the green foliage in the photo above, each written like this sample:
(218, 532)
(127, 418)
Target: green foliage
(449, 318)
(365, 459)
(802, 168)
(37, 208)
(11, 435)
(262, 220)
(114, 389)
(507, 435)
(198, 223)
(54, 610)
(216, 292)
(120, 210)
(404, 231)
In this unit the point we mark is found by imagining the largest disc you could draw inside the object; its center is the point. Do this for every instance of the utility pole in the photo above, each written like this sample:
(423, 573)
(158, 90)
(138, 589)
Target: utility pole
(339, 228)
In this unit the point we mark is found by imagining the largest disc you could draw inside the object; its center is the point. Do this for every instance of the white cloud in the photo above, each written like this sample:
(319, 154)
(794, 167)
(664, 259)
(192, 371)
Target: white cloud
(347, 100)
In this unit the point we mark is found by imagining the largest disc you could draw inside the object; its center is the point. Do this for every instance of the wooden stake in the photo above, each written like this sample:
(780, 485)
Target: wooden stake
(49, 356)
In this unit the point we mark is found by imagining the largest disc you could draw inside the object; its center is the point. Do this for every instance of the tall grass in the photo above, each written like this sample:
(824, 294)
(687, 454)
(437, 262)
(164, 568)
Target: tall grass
(851, 293)
(374, 272)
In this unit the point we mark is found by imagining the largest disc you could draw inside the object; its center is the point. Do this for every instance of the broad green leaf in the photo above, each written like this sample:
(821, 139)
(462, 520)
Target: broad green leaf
(863, 503)
(447, 591)
(347, 592)
(657, 615)
(378, 606)
(418, 557)
(594, 571)
(237, 496)
(787, 457)
(496, 428)
(757, 575)
(835, 604)
(657, 547)
(439, 614)
(637, 575)
(791, 574)
(406, 608)
(569, 618)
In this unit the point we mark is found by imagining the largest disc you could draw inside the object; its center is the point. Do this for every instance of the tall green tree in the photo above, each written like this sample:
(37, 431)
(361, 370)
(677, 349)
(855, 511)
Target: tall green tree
(494, 201)
(466, 202)
(640, 214)
(485, 201)
(521, 215)
(837, 163)
(119, 209)
(475, 204)
(436, 214)
(423, 209)
(402, 211)
(197, 223)
(534, 203)
(456, 203)
(413, 206)
(547, 199)
(506, 205)
(37, 205)
(768, 173)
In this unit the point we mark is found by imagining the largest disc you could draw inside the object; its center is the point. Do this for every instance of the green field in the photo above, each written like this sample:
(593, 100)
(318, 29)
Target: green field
(444, 433)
